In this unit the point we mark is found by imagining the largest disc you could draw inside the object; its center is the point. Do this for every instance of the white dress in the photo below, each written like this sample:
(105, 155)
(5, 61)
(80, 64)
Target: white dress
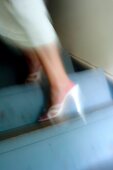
(26, 23)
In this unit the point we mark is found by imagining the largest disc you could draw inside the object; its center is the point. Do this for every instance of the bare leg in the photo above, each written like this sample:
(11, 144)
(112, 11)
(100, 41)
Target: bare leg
(34, 66)
(59, 81)
(32, 60)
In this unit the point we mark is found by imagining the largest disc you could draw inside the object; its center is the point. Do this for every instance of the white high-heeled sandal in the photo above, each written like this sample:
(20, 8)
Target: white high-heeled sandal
(58, 109)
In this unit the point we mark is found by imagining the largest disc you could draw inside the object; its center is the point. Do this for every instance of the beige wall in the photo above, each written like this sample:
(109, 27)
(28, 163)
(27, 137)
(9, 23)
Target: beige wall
(85, 28)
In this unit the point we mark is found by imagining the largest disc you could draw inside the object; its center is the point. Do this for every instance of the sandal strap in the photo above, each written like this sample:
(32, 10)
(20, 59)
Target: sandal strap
(33, 77)
(54, 109)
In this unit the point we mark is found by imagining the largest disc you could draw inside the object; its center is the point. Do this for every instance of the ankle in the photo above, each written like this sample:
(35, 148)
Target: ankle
(62, 85)
(58, 92)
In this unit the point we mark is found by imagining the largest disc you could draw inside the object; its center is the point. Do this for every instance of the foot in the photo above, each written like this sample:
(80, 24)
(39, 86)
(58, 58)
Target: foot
(58, 94)
(57, 97)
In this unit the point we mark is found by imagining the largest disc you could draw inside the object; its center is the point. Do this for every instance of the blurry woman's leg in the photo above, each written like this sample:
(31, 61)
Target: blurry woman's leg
(60, 83)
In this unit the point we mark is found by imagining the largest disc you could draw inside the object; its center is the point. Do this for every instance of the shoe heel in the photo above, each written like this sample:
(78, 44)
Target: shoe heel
(76, 95)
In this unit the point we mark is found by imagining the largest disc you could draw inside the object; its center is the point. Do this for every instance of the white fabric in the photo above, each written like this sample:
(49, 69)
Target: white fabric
(26, 23)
